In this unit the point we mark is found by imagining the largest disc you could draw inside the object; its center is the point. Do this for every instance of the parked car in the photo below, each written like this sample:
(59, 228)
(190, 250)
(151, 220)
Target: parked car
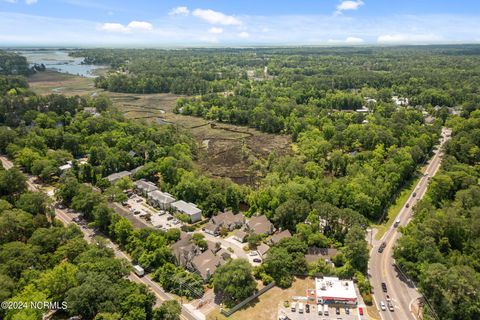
(337, 310)
(257, 260)
(169, 218)
(384, 287)
(407, 205)
(360, 311)
(124, 203)
(139, 200)
(253, 254)
(388, 298)
(307, 308)
(414, 194)
(136, 212)
(382, 306)
(347, 310)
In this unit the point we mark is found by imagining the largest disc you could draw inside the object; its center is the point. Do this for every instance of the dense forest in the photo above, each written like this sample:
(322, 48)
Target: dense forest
(440, 248)
(345, 169)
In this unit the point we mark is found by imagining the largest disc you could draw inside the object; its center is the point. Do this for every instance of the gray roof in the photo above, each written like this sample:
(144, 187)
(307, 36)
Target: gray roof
(145, 185)
(279, 236)
(240, 234)
(206, 263)
(186, 207)
(117, 175)
(160, 196)
(133, 171)
(260, 225)
(262, 249)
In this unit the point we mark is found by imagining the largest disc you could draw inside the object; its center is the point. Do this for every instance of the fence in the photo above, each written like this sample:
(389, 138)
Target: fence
(247, 300)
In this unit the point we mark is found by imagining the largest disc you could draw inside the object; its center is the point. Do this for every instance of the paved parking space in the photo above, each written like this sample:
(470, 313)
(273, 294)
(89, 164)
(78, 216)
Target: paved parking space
(161, 219)
(287, 313)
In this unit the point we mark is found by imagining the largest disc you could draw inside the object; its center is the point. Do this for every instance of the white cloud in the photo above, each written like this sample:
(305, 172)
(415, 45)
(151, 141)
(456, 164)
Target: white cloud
(408, 38)
(179, 11)
(114, 27)
(215, 17)
(132, 26)
(140, 25)
(349, 5)
(348, 40)
(215, 30)
(243, 35)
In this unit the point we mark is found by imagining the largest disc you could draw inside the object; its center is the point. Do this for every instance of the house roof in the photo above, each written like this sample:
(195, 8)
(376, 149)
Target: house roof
(240, 234)
(315, 253)
(117, 175)
(262, 249)
(183, 245)
(211, 226)
(260, 225)
(206, 263)
(186, 207)
(160, 196)
(228, 218)
(145, 185)
(279, 236)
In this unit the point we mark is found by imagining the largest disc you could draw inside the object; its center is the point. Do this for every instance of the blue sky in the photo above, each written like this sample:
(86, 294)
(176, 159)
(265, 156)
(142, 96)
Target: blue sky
(243, 22)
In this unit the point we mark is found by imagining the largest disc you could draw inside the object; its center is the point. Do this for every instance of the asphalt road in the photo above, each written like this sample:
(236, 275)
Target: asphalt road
(89, 235)
(382, 265)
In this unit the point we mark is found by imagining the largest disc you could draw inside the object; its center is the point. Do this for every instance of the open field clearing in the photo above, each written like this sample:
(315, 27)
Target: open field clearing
(225, 150)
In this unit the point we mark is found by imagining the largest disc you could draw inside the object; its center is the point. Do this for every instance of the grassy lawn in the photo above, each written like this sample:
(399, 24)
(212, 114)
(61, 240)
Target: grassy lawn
(265, 307)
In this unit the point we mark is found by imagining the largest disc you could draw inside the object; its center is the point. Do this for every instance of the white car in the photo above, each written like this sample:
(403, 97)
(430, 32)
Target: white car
(382, 306)
(253, 254)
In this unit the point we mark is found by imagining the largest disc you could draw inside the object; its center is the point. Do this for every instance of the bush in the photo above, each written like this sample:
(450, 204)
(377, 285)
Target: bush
(266, 279)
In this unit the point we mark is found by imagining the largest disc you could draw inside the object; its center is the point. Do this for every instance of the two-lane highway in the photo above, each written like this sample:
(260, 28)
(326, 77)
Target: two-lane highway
(382, 268)
(67, 218)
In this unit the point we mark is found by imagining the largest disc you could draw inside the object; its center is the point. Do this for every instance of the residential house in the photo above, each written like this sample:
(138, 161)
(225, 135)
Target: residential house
(229, 220)
(184, 250)
(206, 264)
(279, 236)
(143, 187)
(159, 199)
(114, 177)
(240, 236)
(189, 209)
(259, 225)
(314, 254)
(212, 228)
(262, 250)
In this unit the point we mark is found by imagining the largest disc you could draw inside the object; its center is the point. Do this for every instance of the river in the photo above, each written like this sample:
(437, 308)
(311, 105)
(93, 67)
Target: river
(60, 61)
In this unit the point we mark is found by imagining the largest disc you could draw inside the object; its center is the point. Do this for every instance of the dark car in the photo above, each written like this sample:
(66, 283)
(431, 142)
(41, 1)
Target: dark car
(257, 260)
(307, 308)
(382, 246)
(347, 310)
(414, 194)
(337, 310)
(407, 205)
(384, 287)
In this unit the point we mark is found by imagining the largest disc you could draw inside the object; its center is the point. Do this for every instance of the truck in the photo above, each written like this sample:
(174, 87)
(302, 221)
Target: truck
(300, 307)
(138, 270)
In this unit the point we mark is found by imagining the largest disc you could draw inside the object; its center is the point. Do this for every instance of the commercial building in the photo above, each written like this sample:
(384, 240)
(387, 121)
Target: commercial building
(332, 290)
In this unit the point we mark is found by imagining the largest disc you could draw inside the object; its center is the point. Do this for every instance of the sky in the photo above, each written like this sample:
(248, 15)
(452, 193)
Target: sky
(163, 23)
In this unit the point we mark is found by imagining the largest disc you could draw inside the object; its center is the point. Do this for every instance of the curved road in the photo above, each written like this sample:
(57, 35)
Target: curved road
(382, 268)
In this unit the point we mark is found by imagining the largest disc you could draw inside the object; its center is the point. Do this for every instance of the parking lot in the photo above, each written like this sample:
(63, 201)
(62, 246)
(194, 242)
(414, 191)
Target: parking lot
(158, 218)
(287, 313)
